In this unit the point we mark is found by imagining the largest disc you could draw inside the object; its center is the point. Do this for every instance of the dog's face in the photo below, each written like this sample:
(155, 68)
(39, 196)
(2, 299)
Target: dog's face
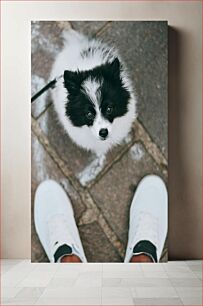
(96, 97)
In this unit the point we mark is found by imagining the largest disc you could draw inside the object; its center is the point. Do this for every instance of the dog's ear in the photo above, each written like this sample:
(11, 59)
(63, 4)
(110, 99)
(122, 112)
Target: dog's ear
(115, 66)
(72, 80)
(113, 69)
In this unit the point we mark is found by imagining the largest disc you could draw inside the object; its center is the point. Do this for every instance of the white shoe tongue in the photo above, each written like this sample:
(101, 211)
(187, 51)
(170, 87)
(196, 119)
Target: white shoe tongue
(59, 232)
(146, 229)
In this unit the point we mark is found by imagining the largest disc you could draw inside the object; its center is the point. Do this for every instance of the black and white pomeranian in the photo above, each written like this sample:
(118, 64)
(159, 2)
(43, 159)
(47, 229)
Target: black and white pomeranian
(94, 100)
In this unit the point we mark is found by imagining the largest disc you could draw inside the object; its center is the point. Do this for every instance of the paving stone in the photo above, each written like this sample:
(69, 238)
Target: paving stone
(46, 42)
(42, 102)
(114, 192)
(46, 38)
(88, 27)
(147, 61)
(85, 165)
(44, 168)
(96, 245)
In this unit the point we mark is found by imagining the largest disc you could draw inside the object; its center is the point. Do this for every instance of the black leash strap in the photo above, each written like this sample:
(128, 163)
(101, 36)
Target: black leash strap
(45, 88)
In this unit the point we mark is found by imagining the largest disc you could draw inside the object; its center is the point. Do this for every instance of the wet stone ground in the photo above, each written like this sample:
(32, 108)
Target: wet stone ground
(101, 191)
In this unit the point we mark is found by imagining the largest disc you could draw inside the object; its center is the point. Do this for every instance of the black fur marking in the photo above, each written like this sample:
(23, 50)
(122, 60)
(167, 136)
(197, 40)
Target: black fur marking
(113, 93)
(77, 109)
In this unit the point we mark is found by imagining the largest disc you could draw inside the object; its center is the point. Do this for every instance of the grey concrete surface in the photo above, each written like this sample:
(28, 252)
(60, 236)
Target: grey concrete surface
(144, 47)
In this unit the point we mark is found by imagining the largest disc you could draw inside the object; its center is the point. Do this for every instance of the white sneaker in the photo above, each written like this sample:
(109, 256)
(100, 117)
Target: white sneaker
(148, 219)
(55, 222)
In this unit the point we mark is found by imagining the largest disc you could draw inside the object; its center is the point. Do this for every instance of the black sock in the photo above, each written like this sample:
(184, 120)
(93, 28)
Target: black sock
(146, 247)
(62, 251)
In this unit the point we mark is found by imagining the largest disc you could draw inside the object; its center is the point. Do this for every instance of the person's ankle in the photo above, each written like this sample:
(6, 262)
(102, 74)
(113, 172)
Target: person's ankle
(141, 258)
(70, 258)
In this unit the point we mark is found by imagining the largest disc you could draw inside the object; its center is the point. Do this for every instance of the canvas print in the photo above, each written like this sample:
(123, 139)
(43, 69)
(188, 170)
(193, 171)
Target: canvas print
(99, 109)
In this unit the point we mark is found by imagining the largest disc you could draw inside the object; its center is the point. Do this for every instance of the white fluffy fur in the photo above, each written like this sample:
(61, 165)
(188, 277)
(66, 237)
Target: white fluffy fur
(70, 59)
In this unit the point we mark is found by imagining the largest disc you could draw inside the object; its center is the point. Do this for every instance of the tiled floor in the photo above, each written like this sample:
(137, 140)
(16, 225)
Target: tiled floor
(172, 283)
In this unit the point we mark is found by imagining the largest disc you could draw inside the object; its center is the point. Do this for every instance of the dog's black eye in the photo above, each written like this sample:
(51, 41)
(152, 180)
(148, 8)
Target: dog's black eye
(109, 110)
(90, 116)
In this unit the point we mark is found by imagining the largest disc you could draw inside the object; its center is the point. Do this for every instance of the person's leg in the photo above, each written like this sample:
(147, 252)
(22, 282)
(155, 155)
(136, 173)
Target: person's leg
(70, 258)
(55, 224)
(148, 221)
(141, 258)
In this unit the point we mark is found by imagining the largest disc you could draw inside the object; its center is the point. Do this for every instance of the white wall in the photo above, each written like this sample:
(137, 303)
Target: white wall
(184, 112)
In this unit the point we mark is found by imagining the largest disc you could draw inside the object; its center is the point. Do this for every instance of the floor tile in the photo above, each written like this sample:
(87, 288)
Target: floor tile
(26, 292)
(189, 292)
(65, 273)
(61, 282)
(185, 282)
(90, 274)
(157, 301)
(193, 262)
(9, 292)
(21, 301)
(177, 268)
(122, 274)
(70, 270)
(176, 263)
(152, 292)
(159, 267)
(198, 274)
(122, 267)
(115, 292)
(89, 279)
(192, 301)
(122, 301)
(93, 267)
(45, 267)
(71, 267)
(113, 282)
(196, 268)
(37, 279)
(135, 282)
(147, 282)
(14, 276)
(150, 274)
(5, 268)
(178, 274)
(70, 301)
(72, 292)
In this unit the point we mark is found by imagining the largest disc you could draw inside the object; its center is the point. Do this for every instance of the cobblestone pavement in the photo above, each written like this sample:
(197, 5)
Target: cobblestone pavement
(101, 193)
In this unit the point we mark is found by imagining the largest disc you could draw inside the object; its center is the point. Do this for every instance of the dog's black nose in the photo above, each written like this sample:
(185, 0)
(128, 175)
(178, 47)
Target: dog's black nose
(103, 133)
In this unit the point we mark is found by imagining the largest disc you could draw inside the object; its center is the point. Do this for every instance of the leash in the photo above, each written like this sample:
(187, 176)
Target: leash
(51, 84)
